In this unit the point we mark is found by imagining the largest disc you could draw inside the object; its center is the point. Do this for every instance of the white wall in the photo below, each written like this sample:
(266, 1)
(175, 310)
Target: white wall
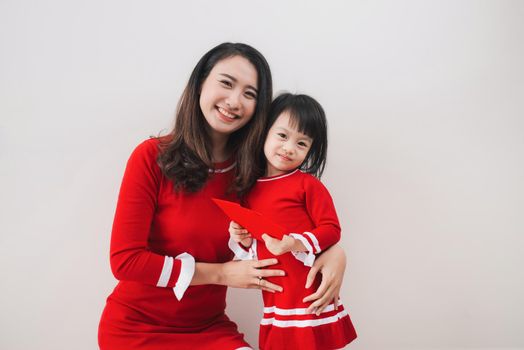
(425, 101)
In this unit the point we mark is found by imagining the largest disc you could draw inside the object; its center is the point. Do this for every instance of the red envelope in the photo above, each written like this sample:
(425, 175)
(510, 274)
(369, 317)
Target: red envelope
(251, 220)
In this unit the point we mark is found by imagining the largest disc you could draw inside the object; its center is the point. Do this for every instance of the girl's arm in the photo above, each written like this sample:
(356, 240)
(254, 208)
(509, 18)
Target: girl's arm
(331, 264)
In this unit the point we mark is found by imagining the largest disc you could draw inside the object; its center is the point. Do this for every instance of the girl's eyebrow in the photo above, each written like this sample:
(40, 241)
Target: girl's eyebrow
(307, 138)
(235, 80)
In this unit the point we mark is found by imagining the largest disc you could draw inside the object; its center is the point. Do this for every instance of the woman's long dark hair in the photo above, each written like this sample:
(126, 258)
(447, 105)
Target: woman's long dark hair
(186, 153)
(308, 116)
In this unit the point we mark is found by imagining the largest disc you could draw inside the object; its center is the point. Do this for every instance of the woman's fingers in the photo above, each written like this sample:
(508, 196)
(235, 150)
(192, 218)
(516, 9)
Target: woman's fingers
(264, 263)
(318, 293)
(311, 276)
(320, 304)
(266, 285)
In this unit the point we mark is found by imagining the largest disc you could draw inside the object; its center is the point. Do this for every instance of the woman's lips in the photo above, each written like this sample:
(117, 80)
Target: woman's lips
(225, 115)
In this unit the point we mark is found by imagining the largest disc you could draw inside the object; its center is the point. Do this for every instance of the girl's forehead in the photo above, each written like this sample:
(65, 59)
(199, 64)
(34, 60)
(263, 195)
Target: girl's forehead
(285, 122)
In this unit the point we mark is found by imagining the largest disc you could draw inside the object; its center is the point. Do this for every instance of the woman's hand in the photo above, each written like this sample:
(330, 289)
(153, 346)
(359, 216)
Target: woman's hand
(250, 274)
(331, 264)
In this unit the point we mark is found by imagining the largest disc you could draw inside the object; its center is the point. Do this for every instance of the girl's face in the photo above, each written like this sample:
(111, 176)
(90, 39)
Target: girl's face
(285, 147)
(228, 96)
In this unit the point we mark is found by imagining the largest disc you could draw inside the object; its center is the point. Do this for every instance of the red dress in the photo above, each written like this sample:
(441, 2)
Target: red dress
(157, 236)
(301, 204)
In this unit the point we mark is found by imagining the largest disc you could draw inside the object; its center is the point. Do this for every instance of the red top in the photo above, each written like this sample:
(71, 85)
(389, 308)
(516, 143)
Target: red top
(299, 202)
(157, 235)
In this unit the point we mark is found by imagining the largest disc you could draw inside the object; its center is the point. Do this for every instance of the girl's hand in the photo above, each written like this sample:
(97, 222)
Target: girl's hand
(250, 274)
(331, 264)
(240, 234)
(278, 247)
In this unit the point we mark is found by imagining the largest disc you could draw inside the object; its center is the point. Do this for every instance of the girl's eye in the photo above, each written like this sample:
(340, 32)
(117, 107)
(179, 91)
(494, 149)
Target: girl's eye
(281, 135)
(226, 83)
(302, 144)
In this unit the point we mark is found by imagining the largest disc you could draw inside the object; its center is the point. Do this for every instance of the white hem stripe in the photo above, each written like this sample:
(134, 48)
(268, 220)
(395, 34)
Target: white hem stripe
(165, 275)
(303, 323)
(297, 311)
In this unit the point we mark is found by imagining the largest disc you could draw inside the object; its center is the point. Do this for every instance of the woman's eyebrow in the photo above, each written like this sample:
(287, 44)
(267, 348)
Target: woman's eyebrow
(235, 80)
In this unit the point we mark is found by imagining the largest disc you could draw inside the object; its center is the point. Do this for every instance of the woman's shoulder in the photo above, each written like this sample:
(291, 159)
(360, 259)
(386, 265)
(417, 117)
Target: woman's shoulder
(146, 152)
(151, 146)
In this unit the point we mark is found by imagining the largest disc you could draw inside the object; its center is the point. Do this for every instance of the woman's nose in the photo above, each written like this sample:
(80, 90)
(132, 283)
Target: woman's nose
(233, 100)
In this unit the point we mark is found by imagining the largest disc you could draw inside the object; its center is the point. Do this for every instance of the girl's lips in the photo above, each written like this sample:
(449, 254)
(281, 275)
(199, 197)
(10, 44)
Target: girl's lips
(287, 159)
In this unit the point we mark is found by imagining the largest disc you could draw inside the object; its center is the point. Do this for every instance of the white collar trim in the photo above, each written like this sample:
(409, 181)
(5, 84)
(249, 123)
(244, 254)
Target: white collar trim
(224, 170)
(279, 177)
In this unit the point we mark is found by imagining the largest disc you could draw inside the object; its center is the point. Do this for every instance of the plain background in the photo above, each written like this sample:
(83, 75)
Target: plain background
(425, 101)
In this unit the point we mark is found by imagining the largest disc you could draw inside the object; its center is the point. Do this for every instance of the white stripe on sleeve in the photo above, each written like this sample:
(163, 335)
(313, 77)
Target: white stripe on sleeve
(314, 240)
(242, 254)
(187, 270)
(165, 275)
(307, 258)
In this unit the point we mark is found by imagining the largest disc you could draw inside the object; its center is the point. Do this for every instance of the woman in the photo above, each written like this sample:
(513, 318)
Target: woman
(169, 242)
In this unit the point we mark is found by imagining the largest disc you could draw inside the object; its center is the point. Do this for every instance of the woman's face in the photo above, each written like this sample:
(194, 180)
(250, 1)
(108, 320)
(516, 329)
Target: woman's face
(228, 96)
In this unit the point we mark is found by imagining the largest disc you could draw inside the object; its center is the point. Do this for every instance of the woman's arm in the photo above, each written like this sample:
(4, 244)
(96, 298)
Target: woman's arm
(238, 274)
(331, 264)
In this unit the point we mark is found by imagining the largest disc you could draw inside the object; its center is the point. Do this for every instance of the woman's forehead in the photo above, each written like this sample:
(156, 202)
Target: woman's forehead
(237, 68)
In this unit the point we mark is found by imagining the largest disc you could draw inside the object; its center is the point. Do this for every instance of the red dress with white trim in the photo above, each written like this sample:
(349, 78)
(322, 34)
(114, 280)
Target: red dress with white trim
(300, 203)
(157, 236)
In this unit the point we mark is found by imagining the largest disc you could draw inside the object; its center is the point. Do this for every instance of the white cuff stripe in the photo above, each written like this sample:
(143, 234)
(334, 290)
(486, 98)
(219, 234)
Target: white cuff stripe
(241, 253)
(187, 270)
(303, 323)
(309, 258)
(314, 240)
(165, 275)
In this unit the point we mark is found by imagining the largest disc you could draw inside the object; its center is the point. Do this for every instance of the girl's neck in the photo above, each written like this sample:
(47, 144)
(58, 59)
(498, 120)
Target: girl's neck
(271, 171)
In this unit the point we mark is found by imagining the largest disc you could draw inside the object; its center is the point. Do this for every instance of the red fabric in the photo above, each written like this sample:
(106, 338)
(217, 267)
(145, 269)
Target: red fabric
(151, 222)
(301, 203)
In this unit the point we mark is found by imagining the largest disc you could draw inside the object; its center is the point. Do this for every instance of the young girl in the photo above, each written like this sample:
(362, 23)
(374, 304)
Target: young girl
(290, 195)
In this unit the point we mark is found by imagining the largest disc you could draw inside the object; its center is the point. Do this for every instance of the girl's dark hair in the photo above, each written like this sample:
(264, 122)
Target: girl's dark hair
(186, 153)
(309, 117)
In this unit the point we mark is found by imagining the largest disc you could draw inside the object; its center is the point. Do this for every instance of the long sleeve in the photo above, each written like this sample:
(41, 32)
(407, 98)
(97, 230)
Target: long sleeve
(131, 259)
(321, 209)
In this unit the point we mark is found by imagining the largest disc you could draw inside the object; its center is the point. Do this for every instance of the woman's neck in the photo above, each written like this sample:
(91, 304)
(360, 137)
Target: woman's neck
(219, 151)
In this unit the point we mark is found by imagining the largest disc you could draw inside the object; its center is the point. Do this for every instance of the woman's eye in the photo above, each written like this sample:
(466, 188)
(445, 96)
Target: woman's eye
(251, 95)
(226, 83)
